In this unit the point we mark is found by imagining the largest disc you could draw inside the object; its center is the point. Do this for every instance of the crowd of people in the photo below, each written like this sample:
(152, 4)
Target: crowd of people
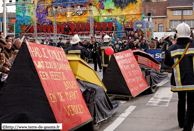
(9, 48)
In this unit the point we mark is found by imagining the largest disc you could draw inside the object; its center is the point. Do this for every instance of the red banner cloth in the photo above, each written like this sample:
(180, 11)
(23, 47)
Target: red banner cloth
(131, 72)
(60, 85)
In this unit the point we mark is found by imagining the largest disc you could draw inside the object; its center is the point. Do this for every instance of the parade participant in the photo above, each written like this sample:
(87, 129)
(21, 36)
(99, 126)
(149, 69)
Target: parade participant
(60, 43)
(165, 45)
(96, 54)
(105, 57)
(180, 58)
(77, 49)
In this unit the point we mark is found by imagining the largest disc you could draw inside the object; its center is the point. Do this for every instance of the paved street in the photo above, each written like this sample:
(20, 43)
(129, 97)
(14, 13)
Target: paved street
(146, 112)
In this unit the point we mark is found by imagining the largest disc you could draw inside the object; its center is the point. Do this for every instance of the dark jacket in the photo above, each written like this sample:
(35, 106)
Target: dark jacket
(144, 46)
(105, 57)
(14, 47)
(182, 78)
(61, 44)
(79, 50)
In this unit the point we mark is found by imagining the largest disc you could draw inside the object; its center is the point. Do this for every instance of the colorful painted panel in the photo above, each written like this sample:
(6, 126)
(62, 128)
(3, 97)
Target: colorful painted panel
(117, 11)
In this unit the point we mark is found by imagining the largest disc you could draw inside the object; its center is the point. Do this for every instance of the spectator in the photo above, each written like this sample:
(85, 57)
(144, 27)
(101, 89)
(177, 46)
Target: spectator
(8, 38)
(60, 43)
(138, 43)
(66, 29)
(2, 44)
(1, 35)
(16, 44)
(51, 43)
(143, 45)
(12, 58)
(125, 46)
(135, 45)
(129, 39)
(118, 45)
(3, 67)
(132, 34)
(152, 45)
(46, 42)
(157, 42)
(117, 41)
(136, 36)
(67, 45)
(140, 39)
(131, 43)
(124, 37)
(7, 50)
(42, 42)
(114, 39)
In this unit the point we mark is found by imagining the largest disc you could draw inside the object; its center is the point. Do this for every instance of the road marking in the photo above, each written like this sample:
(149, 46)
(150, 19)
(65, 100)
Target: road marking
(161, 98)
(122, 102)
(120, 119)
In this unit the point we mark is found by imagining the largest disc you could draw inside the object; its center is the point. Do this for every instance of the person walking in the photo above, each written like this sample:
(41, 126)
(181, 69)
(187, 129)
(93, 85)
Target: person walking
(105, 57)
(180, 58)
(96, 54)
(77, 49)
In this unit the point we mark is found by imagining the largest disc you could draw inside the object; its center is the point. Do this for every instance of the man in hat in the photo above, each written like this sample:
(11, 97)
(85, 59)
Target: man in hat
(105, 57)
(180, 58)
(51, 43)
(96, 54)
(60, 43)
(77, 49)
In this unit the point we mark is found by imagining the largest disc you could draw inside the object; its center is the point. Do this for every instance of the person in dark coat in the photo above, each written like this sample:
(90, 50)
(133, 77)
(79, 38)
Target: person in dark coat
(51, 43)
(165, 45)
(96, 54)
(60, 43)
(182, 75)
(105, 57)
(77, 49)
(143, 45)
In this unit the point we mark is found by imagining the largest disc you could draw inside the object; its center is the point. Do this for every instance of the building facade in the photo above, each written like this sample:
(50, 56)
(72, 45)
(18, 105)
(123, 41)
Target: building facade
(180, 11)
(156, 12)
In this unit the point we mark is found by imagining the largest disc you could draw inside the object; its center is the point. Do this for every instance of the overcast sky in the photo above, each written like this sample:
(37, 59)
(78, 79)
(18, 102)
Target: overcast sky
(9, 8)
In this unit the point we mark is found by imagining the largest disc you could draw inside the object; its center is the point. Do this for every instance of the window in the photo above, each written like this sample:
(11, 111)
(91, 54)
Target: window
(174, 23)
(177, 12)
(187, 12)
(190, 22)
(160, 27)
